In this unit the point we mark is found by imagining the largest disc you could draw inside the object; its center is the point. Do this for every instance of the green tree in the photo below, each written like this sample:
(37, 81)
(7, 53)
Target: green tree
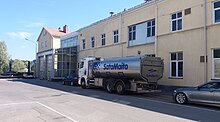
(4, 58)
(18, 66)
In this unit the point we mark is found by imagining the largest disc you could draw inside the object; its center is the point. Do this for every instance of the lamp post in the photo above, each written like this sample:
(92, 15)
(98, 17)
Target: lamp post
(35, 55)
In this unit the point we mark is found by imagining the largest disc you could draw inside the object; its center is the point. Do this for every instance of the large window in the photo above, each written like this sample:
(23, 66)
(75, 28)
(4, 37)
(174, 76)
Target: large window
(141, 33)
(176, 65)
(69, 42)
(115, 36)
(151, 28)
(83, 44)
(103, 39)
(216, 64)
(176, 21)
(132, 32)
(92, 42)
(217, 12)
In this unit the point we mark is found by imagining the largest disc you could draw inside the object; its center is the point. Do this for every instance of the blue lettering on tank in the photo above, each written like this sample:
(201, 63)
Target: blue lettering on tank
(115, 66)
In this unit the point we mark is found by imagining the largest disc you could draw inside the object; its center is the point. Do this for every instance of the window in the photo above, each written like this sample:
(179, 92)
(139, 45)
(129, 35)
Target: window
(103, 39)
(151, 28)
(176, 21)
(46, 43)
(176, 65)
(216, 64)
(84, 44)
(115, 36)
(92, 42)
(42, 44)
(132, 32)
(217, 12)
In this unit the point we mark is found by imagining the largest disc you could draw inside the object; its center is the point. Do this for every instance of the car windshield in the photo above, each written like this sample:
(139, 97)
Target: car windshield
(214, 85)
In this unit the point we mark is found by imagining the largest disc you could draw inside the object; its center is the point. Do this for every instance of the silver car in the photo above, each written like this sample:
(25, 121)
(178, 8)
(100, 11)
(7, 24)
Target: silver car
(208, 93)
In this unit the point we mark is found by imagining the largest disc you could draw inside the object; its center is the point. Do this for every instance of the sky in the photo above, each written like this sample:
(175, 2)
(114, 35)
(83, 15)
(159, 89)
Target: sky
(22, 19)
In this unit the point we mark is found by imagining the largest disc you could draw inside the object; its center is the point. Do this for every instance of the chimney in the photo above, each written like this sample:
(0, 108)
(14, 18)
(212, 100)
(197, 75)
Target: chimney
(65, 29)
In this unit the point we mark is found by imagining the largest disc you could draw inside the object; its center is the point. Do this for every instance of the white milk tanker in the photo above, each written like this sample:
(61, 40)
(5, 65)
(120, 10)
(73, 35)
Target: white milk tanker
(139, 74)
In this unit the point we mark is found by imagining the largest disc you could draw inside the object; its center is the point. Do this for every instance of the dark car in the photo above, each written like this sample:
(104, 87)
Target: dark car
(71, 79)
(208, 93)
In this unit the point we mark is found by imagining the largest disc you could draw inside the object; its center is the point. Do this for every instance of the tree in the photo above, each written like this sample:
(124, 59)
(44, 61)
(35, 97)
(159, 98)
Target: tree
(4, 59)
(18, 66)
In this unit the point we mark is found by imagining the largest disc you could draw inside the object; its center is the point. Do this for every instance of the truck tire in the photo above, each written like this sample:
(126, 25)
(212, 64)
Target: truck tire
(120, 88)
(109, 87)
(83, 84)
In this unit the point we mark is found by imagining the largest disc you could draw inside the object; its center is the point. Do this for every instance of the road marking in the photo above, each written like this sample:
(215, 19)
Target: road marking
(8, 104)
(192, 107)
(56, 111)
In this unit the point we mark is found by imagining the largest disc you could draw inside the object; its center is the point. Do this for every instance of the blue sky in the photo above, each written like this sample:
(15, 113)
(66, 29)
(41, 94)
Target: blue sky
(22, 19)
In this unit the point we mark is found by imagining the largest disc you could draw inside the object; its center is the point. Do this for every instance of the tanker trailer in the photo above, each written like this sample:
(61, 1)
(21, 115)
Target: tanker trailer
(138, 73)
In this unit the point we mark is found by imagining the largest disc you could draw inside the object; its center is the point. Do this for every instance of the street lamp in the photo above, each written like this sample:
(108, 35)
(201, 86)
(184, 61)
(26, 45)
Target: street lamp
(35, 54)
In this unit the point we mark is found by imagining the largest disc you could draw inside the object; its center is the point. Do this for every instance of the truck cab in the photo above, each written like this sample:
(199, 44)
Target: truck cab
(84, 71)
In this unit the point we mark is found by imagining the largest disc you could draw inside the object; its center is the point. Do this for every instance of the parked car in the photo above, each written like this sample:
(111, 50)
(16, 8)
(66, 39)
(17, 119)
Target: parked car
(208, 93)
(71, 79)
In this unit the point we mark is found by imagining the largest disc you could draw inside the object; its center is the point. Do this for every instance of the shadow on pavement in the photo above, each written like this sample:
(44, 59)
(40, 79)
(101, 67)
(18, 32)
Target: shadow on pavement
(139, 101)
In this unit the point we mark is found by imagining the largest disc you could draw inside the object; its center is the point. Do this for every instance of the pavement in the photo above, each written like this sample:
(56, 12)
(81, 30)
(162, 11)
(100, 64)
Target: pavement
(42, 101)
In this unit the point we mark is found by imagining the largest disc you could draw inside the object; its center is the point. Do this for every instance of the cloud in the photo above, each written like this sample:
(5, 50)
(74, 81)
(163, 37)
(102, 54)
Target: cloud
(35, 24)
(21, 35)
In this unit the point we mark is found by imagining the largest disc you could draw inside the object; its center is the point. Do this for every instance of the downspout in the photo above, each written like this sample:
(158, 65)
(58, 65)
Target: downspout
(205, 43)
(156, 28)
(120, 34)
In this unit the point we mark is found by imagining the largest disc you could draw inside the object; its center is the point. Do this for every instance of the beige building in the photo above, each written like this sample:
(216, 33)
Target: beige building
(182, 32)
(48, 41)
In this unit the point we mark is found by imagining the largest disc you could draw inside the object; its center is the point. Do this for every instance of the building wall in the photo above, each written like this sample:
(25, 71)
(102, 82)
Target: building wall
(44, 41)
(189, 40)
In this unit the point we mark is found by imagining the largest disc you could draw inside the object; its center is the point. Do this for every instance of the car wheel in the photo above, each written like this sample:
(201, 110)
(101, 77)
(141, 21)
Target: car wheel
(83, 84)
(181, 98)
(120, 89)
(109, 87)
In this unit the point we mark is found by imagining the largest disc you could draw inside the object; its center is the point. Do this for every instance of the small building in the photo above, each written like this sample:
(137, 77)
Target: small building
(48, 41)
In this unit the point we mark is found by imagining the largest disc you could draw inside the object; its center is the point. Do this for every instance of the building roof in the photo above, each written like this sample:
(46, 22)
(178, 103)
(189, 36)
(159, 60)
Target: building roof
(54, 32)
(145, 4)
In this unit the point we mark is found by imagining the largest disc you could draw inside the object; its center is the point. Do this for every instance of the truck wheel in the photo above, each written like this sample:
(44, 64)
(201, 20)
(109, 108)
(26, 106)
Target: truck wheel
(83, 84)
(109, 87)
(120, 88)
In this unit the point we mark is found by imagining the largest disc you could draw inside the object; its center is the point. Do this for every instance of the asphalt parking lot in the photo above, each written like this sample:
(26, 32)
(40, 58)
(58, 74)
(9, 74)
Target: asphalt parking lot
(42, 101)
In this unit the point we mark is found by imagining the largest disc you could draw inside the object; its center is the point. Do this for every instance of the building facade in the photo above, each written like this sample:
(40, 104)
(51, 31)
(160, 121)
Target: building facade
(66, 56)
(48, 41)
(184, 33)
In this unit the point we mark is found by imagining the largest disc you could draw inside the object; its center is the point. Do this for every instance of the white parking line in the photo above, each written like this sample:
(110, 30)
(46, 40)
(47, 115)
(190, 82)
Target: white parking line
(34, 102)
(56, 111)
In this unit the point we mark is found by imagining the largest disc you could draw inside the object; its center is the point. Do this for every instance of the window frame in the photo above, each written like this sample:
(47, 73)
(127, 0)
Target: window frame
(214, 9)
(213, 63)
(176, 19)
(176, 61)
(133, 32)
(115, 36)
(151, 28)
(103, 39)
(83, 44)
(92, 42)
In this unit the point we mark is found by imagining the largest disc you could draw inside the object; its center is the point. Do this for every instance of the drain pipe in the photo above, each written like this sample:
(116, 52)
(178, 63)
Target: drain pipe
(156, 29)
(205, 43)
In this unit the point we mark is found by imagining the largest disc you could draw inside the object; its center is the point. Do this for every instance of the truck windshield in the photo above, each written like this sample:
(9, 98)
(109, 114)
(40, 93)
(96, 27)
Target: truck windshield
(81, 65)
